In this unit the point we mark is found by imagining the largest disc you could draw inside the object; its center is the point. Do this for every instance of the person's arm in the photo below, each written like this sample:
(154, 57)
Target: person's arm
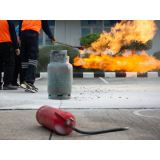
(20, 25)
(17, 38)
(46, 28)
(13, 34)
(17, 33)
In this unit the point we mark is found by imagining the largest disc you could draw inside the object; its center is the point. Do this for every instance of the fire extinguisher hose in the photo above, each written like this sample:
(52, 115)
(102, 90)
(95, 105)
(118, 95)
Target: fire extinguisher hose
(101, 131)
(81, 47)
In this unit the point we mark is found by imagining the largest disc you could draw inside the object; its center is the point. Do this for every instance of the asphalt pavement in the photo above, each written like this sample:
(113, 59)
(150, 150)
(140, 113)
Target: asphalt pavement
(97, 104)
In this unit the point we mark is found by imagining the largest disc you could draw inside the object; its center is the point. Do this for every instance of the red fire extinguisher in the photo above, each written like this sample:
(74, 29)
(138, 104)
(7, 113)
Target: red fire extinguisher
(55, 119)
(63, 122)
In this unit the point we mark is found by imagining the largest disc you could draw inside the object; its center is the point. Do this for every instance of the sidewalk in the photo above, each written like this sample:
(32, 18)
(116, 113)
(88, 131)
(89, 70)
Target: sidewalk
(96, 93)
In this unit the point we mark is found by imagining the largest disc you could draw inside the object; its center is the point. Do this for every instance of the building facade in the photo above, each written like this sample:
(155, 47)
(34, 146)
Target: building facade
(70, 31)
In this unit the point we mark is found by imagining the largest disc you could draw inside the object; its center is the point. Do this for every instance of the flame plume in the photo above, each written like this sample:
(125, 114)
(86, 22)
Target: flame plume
(133, 63)
(124, 33)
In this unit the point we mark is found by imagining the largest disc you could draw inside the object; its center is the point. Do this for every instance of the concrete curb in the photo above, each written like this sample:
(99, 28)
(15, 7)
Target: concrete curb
(108, 74)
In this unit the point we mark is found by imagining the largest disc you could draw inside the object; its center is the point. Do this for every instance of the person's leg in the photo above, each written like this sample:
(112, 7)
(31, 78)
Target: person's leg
(9, 64)
(24, 55)
(15, 72)
(32, 56)
(20, 69)
(1, 68)
(28, 62)
(9, 67)
(32, 44)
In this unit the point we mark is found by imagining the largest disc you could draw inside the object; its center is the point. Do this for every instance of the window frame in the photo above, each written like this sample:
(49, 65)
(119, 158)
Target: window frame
(92, 27)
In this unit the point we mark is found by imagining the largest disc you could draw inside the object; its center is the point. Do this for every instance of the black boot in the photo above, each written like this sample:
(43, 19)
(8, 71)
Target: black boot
(1, 84)
(10, 87)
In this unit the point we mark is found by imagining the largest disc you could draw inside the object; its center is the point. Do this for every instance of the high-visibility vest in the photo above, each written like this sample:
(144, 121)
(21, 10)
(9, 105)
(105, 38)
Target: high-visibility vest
(4, 32)
(34, 25)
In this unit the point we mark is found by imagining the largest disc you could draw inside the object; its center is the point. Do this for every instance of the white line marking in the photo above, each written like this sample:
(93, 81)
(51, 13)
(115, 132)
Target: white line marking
(138, 114)
(103, 80)
(38, 78)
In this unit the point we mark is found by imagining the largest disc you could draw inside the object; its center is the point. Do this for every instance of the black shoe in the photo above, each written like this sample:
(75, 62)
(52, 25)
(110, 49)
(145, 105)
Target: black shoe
(9, 87)
(1, 85)
(15, 84)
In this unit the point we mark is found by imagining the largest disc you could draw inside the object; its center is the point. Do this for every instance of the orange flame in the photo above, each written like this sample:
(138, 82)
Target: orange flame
(132, 63)
(82, 51)
(124, 33)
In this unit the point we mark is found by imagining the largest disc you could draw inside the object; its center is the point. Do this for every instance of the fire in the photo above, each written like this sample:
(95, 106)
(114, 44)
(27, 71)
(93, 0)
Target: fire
(82, 51)
(124, 33)
(131, 63)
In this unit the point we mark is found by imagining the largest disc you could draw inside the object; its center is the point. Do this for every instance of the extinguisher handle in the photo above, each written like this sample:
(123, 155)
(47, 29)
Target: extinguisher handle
(68, 123)
(60, 116)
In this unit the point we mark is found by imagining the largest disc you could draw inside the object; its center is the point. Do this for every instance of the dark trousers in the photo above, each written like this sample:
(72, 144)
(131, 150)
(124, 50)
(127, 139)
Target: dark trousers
(7, 57)
(17, 69)
(1, 70)
(29, 54)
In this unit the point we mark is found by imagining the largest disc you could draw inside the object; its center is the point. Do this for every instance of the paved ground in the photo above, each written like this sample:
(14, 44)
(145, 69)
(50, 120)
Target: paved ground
(96, 104)
(90, 93)
(22, 125)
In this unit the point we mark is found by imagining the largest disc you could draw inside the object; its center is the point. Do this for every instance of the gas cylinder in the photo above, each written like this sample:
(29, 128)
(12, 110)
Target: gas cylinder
(59, 75)
(55, 119)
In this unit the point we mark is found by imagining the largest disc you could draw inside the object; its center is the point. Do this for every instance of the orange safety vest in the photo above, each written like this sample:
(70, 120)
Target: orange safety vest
(34, 25)
(4, 32)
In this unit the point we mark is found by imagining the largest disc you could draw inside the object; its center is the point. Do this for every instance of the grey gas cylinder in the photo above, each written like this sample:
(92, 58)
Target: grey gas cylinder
(59, 75)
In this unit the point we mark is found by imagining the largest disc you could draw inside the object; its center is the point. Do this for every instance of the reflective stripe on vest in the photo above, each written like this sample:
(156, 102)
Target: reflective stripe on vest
(34, 25)
(4, 32)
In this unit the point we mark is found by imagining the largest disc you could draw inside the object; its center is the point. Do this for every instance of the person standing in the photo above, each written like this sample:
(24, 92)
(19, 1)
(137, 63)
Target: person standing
(8, 43)
(18, 66)
(29, 34)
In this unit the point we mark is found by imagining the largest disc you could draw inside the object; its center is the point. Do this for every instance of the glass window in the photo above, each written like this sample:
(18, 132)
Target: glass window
(97, 30)
(107, 29)
(84, 23)
(111, 22)
(51, 22)
(91, 23)
(40, 41)
(46, 37)
(85, 31)
(107, 23)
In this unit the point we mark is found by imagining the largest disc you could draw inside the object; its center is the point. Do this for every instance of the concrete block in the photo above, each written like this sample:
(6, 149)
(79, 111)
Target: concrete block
(152, 74)
(110, 74)
(88, 74)
(43, 74)
(131, 74)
